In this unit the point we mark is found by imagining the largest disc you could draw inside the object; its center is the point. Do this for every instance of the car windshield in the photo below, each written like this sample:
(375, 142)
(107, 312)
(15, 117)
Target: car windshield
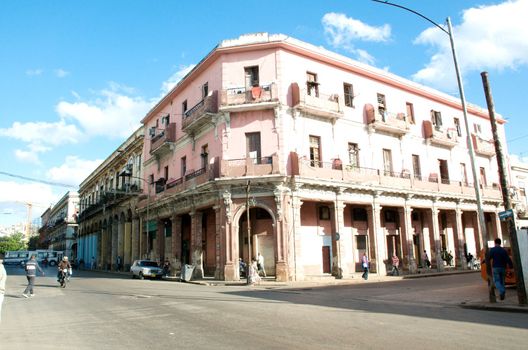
(148, 263)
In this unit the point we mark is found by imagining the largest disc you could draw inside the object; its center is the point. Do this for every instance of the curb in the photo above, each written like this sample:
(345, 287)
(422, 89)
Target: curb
(500, 308)
(438, 274)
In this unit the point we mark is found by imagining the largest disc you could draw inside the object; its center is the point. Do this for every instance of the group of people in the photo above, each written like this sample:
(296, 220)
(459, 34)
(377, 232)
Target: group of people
(254, 271)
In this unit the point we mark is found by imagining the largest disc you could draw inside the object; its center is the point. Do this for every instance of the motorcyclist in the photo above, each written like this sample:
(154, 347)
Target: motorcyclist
(64, 264)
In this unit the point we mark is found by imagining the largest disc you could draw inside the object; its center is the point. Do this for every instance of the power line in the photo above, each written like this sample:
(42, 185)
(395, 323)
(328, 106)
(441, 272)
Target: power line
(37, 180)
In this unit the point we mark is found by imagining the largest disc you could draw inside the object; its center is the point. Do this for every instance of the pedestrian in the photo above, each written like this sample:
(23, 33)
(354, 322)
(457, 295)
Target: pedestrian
(31, 273)
(470, 261)
(3, 279)
(365, 265)
(426, 261)
(500, 259)
(166, 267)
(93, 264)
(118, 263)
(254, 277)
(395, 264)
(260, 265)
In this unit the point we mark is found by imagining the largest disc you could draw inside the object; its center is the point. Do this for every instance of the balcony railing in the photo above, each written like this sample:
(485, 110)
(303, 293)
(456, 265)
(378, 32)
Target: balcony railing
(483, 147)
(249, 166)
(315, 103)
(388, 122)
(439, 136)
(201, 113)
(397, 180)
(162, 142)
(242, 99)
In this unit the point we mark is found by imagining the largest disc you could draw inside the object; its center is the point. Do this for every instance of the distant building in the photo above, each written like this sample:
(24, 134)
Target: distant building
(59, 225)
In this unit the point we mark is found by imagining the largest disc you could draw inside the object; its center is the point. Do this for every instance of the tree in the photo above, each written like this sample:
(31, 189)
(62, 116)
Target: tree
(33, 243)
(13, 242)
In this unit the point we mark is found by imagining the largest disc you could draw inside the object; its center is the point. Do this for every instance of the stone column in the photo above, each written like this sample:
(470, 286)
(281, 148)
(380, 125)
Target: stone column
(339, 267)
(377, 245)
(134, 240)
(436, 235)
(297, 268)
(196, 244)
(176, 243)
(127, 254)
(101, 252)
(121, 240)
(114, 241)
(407, 238)
(498, 226)
(461, 262)
(159, 246)
(281, 250)
(228, 232)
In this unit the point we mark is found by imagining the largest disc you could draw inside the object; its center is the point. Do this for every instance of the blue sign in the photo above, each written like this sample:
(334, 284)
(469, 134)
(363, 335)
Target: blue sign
(503, 215)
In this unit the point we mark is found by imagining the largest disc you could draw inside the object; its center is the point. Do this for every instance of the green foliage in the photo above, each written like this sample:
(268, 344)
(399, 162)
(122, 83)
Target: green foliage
(33, 243)
(13, 242)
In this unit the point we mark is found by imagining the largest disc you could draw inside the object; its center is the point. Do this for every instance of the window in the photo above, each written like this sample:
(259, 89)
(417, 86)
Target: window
(348, 91)
(165, 120)
(477, 128)
(390, 215)
(324, 213)
(416, 166)
(184, 107)
(312, 86)
(166, 173)
(463, 173)
(183, 165)
(205, 90)
(353, 155)
(253, 150)
(361, 242)
(457, 126)
(387, 162)
(436, 119)
(151, 178)
(382, 106)
(410, 112)
(252, 76)
(205, 156)
(444, 172)
(359, 214)
(315, 151)
(483, 181)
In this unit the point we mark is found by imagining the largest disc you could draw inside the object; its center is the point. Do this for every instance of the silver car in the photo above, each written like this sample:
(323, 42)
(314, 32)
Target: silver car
(146, 268)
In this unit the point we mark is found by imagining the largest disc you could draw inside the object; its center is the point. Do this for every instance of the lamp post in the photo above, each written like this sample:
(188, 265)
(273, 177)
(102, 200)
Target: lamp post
(483, 239)
(129, 175)
(248, 232)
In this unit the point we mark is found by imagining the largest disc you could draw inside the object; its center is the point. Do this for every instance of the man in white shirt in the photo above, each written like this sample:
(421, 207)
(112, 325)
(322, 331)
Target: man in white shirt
(260, 265)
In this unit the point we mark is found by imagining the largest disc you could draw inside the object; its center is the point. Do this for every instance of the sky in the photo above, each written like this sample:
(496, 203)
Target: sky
(76, 77)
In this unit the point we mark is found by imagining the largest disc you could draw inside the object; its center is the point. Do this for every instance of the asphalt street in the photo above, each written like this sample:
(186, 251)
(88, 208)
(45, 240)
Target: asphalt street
(106, 311)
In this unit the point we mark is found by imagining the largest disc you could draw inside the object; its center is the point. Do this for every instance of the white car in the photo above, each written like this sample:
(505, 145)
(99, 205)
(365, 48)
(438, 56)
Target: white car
(146, 268)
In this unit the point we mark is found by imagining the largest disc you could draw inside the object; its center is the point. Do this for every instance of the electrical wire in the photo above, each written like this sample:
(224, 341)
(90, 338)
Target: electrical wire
(51, 183)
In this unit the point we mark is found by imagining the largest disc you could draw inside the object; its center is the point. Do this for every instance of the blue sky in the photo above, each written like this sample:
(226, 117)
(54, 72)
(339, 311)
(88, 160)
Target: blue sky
(76, 77)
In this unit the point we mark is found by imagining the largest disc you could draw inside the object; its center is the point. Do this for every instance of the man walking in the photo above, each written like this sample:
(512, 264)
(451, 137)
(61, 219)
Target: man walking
(500, 258)
(31, 272)
(395, 264)
(260, 265)
(3, 279)
(365, 265)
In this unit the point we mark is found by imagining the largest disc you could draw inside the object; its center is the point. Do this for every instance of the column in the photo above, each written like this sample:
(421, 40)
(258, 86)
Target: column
(377, 245)
(176, 243)
(219, 252)
(298, 268)
(113, 243)
(282, 270)
(159, 246)
(127, 245)
(121, 239)
(135, 239)
(461, 262)
(407, 238)
(498, 226)
(339, 267)
(436, 235)
(196, 243)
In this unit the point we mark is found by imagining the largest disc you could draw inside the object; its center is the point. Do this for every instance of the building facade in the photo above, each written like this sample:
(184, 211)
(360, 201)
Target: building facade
(59, 225)
(333, 159)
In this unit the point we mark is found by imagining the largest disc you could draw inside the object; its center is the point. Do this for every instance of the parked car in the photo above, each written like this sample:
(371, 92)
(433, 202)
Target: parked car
(146, 268)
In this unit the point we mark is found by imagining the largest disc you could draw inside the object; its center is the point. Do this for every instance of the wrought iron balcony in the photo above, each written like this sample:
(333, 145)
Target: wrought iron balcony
(161, 143)
(441, 137)
(201, 113)
(314, 103)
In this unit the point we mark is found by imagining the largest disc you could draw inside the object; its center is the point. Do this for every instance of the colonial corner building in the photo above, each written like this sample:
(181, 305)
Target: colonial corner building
(341, 158)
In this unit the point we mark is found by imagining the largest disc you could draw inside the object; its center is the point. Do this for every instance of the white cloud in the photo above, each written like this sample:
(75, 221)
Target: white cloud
(41, 135)
(34, 72)
(170, 83)
(112, 114)
(489, 37)
(73, 171)
(11, 191)
(343, 31)
(27, 156)
(61, 73)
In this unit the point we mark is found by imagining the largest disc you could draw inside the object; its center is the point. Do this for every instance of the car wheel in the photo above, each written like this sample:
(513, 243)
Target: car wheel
(140, 276)
(133, 276)
(52, 263)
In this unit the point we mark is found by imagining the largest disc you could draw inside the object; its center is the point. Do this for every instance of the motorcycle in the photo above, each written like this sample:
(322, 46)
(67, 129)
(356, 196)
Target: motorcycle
(63, 277)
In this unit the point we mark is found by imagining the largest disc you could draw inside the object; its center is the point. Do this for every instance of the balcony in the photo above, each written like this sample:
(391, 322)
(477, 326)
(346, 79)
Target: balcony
(163, 142)
(201, 113)
(379, 178)
(249, 166)
(391, 123)
(440, 137)
(323, 106)
(483, 147)
(255, 98)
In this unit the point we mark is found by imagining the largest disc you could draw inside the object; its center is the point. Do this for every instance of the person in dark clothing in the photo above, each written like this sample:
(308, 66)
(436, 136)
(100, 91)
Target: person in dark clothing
(31, 273)
(500, 259)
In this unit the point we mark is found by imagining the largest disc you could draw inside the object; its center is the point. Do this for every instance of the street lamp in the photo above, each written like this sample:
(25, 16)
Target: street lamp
(483, 236)
(127, 173)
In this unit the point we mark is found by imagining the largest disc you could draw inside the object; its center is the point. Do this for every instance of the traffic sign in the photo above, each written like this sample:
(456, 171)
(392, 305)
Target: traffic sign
(503, 215)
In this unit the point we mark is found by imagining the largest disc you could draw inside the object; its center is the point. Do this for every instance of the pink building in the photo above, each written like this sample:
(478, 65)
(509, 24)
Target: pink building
(341, 158)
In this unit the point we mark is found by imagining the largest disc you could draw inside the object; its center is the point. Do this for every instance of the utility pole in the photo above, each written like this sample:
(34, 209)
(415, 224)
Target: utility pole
(519, 277)
(248, 186)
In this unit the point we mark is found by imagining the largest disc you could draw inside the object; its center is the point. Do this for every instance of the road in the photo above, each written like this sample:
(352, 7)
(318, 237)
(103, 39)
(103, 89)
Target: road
(105, 311)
